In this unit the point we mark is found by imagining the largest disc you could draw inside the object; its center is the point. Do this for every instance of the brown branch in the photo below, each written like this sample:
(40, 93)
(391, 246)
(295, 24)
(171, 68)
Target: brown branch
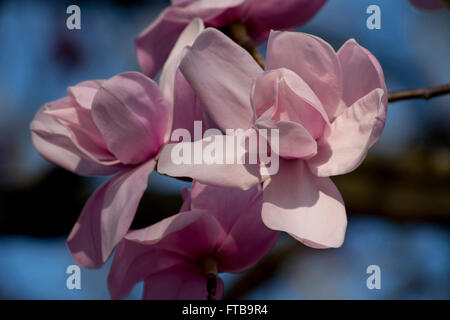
(421, 93)
(211, 286)
(238, 32)
(210, 267)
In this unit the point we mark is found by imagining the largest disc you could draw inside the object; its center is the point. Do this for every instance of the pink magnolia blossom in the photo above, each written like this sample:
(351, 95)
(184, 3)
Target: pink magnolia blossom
(215, 224)
(113, 127)
(117, 126)
(428, 4)
(155, 42)
(330, 108)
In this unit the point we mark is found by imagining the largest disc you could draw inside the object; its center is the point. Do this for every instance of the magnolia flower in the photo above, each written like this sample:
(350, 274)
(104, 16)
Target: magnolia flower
(113, 127)
(154, 43)
(428, 4)
(329, 108)
(218, 230)
(117, 126)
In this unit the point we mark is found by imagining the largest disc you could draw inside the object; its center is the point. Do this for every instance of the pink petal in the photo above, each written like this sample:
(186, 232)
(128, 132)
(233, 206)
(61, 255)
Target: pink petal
(64, 134)
(350, 137)
(138, 254)
(312, 211)
(181, 282)
(84, 92)
(295, 141)
(156, 232)
(226, 98)
(428, 4)
(176, 234)
(133, 262)
(154, 44)
(233, 175)
(187, 107)
(196, 240)
(266, 15)
(187, 37)
(362, 74)
(132, 116)
(313, 59)
(239, 213)
(292, 99)
(177, 91)
(107, 216)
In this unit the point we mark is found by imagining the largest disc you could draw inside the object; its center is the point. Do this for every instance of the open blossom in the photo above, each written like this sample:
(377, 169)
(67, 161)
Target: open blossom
(329, 108)
(112, 127)
(116, 126)
(218, 229)
(428, 4)
(154, 43)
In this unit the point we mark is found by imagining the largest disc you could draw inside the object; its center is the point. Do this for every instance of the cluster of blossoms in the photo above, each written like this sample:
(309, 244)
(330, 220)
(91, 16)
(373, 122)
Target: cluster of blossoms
(328, 107)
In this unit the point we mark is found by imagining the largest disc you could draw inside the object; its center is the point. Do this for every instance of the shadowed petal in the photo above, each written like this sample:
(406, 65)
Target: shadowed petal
(266, 15)
(181, 282)
(107, 216)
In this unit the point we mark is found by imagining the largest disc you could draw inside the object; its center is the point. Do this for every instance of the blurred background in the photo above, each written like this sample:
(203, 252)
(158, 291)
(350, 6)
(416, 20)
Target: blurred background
(398, 201)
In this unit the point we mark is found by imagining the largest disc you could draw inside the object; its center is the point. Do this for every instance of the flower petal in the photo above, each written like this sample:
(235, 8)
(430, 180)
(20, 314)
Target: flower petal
(226, 98)
(132, 116)
(239, 213)
(181, 282)
(350, 137)
(107, 216)
(138, 254)
(154, 44)
(362, 74)
(64, 134)
(266, 15)
(428, 4)
(294, 140)
(187, 37)
(84, 92)
(312, 211)
(154, 233)
(292, 99)
(233, 175)
(313, 59)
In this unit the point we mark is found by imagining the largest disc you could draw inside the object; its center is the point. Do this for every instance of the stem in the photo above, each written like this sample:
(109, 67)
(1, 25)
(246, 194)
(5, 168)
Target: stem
(210, 268)
(238, 32)
(421, 93)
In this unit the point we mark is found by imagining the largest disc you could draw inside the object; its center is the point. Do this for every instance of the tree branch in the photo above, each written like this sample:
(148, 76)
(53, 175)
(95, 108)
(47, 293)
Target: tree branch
(210, 268)
(421, 93)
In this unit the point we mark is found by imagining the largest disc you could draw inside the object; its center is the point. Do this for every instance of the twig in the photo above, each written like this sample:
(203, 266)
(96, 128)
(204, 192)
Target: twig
(210, 268)
(211, 286)
(238, 32)
(422, 93)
